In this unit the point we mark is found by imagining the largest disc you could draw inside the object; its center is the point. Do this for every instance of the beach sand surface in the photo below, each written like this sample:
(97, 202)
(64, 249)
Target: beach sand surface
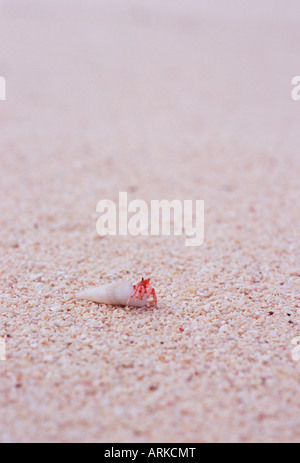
(163, 100)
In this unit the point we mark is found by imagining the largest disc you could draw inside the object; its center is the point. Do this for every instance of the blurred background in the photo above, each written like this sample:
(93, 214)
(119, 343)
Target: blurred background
(145, 92)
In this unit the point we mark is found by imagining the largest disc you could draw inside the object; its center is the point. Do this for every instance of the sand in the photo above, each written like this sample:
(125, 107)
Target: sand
(163, 100)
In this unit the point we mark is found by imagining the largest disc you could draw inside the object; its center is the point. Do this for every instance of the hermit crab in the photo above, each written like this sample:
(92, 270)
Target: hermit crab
(123, 293)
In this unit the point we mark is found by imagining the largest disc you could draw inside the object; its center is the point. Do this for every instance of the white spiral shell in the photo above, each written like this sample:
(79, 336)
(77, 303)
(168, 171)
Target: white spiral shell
(113, 294)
